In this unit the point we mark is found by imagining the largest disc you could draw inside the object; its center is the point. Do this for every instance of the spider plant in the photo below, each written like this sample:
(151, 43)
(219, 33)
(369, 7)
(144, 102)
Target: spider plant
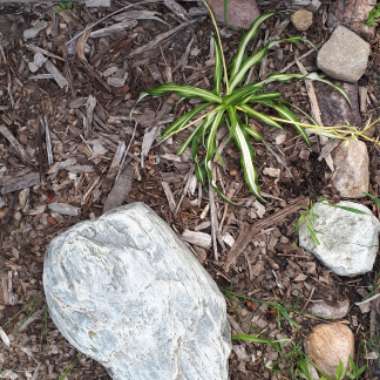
(235, 104)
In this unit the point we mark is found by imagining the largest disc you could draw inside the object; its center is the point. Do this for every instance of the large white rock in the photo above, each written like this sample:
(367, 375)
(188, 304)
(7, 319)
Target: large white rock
(348, 240)
(125, 291)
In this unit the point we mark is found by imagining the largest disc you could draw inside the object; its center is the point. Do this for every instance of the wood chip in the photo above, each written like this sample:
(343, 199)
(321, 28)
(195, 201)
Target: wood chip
(9, 185)
(177, 9)
(4, 337)
(120, 190)
(169, 196)
(248, 232)
(159, 39)
(214, 223)
(64, 209)
(49, 147)
(117, 160)
(200, 239)
(115, 28)
(20, 151)
(58, 77)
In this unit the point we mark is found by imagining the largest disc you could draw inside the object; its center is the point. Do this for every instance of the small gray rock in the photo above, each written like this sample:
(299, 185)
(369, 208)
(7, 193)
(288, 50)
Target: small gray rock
(344, 56)
(127, 292)
(332, 311)
(348, 240)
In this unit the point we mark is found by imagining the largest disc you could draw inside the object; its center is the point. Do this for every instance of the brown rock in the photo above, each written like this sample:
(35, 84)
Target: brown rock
(302, 19)
(241, 13)
(328, 345)
(351, 176)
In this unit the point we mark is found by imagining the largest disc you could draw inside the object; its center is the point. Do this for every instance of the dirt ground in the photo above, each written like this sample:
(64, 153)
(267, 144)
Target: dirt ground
(65, 151)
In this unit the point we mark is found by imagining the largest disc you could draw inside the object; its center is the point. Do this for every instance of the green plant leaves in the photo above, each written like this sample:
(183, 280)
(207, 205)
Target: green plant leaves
(185, 92)
(230, 101)
(259, 116)
(316, 77)
(287, 114)
(253, 132)
(182, 123)
(247, 153)
(211, 142)
(218, 75)
(239, 57)
(255, 59)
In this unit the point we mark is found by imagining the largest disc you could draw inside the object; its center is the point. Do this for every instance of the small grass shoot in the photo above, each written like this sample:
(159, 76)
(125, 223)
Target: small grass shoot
(374, 16)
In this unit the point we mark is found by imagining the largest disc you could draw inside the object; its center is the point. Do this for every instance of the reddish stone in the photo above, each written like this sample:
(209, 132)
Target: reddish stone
(241, 13)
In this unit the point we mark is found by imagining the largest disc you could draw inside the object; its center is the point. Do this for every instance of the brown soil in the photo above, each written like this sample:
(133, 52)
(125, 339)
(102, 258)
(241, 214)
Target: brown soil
(273, 281)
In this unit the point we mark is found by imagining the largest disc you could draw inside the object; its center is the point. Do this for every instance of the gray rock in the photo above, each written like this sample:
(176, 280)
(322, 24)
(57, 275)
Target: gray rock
(125, 291)
(332, 311)
(348, 240)
(344, 56)
(351, 175)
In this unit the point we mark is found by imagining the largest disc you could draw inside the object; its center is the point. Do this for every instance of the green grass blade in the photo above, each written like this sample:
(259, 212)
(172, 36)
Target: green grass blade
(265, 96)
(287, 114)
(239, 96)
(204, 124)
(239, 57)
(199, 166)
(318, 78)
(248, 338)
(250, 62)
(185, 92)
(215, 25)
(253, 132)
(257, 58)
(218, 75)
(181, 123)
(247, 153)
(259, 116)
(211, 140)
(374, 199)
(225, 6)
(285, 77)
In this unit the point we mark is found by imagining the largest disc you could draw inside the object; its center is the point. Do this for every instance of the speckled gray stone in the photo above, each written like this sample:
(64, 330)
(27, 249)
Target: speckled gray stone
(344, 56)
(125, 291)
(348, 241)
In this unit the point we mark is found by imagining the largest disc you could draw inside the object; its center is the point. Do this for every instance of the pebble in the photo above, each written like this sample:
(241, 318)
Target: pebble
(302, 20)
(348, 241)
(241, 13)
(351, 175)
(344, 56)
(328, 345)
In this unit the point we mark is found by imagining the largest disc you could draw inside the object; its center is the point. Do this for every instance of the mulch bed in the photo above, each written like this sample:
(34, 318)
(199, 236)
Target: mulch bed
(68, 139)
